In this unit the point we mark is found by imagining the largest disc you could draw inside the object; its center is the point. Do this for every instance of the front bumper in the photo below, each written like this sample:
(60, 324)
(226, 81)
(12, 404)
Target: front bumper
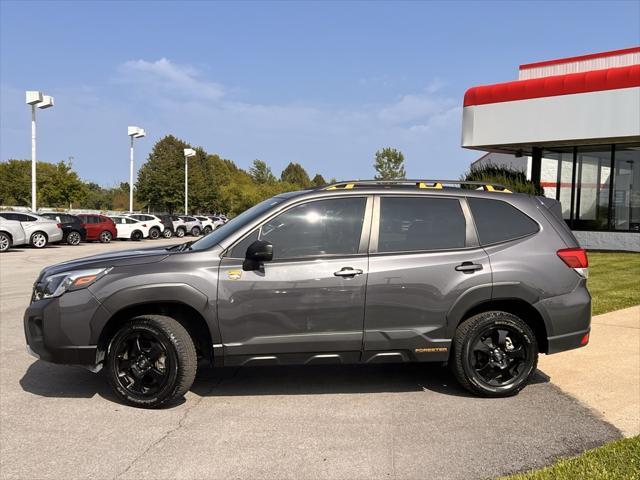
(62, 338)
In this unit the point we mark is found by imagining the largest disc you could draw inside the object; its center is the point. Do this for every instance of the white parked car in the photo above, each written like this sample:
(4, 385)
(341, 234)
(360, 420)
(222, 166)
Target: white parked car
(130, 228)
(11, 234)
(207, 224)
(156, 227)
(39, 231)
(192, 224)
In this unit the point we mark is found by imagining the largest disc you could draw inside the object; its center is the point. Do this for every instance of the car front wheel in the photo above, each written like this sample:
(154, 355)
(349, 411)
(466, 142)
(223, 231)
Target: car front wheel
(207, 230)
(494, 354)
(180, 232)
(167, 233)
(136, 236)
(151, 361)
(38, 240)
(154, 233)
(74, 238)
(195, 231)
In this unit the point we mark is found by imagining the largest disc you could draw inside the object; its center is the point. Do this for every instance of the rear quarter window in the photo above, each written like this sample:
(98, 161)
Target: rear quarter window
(498, 221)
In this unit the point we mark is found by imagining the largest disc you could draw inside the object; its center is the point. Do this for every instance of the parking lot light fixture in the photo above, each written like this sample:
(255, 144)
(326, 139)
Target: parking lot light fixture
(133, 132)
(35, 99)
(188, 152)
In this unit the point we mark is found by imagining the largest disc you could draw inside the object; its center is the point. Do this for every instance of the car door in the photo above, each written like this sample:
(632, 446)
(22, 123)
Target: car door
(29, 223)
(424, 260)
(307, 304)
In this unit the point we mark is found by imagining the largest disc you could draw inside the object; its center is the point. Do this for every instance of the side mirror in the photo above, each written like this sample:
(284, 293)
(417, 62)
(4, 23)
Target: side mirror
(258, 252)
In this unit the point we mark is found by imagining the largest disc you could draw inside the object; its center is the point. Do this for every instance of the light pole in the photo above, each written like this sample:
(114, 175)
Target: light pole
(133, 132)
(188, 152)
(35, 99)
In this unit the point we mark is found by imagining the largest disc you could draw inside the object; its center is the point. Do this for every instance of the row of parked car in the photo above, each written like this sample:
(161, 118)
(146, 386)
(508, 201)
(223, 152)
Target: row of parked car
(38, 230)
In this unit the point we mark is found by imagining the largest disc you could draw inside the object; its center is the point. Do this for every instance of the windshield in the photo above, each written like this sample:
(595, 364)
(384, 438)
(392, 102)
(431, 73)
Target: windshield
(235, 224)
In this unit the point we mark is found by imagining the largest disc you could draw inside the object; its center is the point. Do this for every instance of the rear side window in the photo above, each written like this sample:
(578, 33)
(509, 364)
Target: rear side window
(420, 223)
(498, 221)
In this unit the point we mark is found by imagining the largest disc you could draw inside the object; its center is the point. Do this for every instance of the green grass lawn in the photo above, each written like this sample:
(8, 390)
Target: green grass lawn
(613, 461)
(614, 280)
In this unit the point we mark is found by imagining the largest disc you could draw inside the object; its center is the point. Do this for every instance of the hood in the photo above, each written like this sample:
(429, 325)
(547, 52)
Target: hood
(111, 259)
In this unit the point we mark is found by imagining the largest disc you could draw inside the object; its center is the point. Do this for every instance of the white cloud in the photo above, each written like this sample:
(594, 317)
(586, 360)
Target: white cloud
(169, 78)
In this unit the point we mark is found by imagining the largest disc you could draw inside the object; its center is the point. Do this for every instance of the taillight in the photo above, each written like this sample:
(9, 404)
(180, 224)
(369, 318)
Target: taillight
(60, 226)
(575, 258)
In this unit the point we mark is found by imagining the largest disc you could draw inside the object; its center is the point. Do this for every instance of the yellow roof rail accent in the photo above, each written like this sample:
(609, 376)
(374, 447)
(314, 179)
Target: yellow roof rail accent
(344, 186)
(435, 185)
(491, 188)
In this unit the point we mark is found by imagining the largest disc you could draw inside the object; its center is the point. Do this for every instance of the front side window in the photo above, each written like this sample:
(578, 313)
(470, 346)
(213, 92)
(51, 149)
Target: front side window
(498, 221)
(420, 223)
(322, 227)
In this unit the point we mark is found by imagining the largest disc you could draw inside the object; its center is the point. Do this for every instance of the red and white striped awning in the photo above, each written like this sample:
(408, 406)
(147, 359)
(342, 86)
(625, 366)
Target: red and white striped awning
(592, 106)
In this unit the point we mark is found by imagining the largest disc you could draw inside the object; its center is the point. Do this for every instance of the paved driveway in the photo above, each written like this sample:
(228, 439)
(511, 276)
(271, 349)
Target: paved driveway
(394, 421)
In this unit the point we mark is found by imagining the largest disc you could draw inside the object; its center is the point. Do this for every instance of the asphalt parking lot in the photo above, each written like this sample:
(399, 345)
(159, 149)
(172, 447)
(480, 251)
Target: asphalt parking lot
(394, 421)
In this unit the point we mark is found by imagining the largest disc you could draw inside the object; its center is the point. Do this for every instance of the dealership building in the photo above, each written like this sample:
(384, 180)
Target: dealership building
(572, 124)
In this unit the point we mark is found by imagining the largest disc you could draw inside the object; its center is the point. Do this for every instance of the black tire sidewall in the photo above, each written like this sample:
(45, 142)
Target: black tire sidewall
(32, 242)
(105, 232)
(173, 365)
(529, 342)
(154, 233)
(4, 235)
(74, 234)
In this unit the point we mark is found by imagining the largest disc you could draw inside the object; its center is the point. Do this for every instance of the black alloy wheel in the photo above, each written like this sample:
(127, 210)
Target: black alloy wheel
(74, 238)
(136, 235)
(151, 361)
(494, 354)
(154, 233)
(195, 231)
(207, 230)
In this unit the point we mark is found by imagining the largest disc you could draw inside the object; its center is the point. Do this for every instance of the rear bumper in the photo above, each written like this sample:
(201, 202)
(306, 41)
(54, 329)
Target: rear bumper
(568, 341)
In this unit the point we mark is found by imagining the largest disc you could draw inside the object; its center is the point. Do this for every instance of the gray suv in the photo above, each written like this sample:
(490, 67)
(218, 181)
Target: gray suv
(354, 272)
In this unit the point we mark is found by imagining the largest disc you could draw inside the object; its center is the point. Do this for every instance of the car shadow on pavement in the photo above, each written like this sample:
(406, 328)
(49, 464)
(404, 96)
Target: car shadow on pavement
(58, 381)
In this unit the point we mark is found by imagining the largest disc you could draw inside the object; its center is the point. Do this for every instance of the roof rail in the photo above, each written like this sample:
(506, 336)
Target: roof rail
(417, 183)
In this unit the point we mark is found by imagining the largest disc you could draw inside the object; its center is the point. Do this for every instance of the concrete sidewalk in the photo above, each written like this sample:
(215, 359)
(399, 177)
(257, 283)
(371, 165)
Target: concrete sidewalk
(606, 374)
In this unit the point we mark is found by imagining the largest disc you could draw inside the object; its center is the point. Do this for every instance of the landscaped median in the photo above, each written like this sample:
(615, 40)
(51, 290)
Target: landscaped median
(618, 460)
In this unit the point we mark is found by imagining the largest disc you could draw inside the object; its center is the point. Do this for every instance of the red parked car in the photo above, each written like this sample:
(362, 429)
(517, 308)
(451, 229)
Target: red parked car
(98, 227)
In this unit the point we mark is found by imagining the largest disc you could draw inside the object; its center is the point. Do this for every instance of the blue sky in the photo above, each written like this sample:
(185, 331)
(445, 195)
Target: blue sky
(325, 84)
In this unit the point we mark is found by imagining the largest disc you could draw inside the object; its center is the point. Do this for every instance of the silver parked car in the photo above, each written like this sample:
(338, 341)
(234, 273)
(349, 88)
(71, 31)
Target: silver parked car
(40, 231)
(11, 234)
(192, 224)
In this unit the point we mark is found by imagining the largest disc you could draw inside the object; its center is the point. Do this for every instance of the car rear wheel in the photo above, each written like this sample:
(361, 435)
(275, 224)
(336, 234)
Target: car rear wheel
(207, 230)
(151, 361)
(74, 238)
(154, 233)
(106, 237)
(38, 240)
(136, 235)
(5, 242)
(494, 354)
(195, 231)
(180, 232)
(167, 233)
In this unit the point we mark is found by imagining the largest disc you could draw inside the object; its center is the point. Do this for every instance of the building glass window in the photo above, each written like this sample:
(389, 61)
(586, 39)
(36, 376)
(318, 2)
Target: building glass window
(593, 183)
(626, 189)
(557, 175)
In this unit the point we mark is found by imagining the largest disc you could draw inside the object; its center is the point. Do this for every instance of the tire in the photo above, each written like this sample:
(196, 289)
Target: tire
(38, 240)
(5, 242)
(105, 236)
(136, 235)
(167, 233)
(74, 238)
(195, 231)
(180, 232)
(154, 233)
(207, 230)
(494, 354)
(165, 361)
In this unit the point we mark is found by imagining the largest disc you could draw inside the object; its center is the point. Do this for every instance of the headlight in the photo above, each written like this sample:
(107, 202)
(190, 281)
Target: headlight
(56, 285)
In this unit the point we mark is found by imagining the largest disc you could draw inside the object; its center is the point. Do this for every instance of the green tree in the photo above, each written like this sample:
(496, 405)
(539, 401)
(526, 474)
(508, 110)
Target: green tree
(318, 180)
(15, 182)
(389, 163)
(160, 182)
(59, 186)
(514, 180)
(294, 173)
(261, 173)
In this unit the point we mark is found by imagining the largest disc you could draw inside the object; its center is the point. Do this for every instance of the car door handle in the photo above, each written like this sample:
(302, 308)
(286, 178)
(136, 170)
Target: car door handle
(348, 272)
(468, 267)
